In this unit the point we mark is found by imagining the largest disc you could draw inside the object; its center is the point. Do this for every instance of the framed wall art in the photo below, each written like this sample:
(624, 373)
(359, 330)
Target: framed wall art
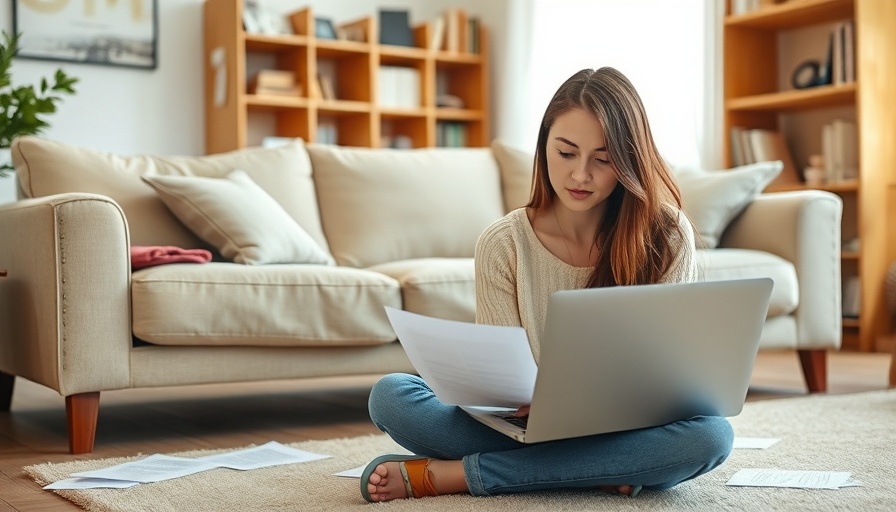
(121, 33)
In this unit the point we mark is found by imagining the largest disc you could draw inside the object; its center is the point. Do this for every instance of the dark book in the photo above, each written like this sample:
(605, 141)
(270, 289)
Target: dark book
(395, 28)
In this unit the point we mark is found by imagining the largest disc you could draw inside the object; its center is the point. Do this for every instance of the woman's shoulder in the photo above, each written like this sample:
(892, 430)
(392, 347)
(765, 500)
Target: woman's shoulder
(508, 225)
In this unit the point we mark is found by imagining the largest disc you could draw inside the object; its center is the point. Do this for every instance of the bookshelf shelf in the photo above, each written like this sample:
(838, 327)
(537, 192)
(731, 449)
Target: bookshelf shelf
(274, 102)
(340, 84)
(793, 14)
(761, 50)
(816, 97)
(836, 187)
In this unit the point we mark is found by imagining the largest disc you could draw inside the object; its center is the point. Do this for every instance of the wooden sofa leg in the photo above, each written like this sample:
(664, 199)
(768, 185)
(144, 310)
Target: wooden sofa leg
(7, 383)
(82, 411)
(814, 363)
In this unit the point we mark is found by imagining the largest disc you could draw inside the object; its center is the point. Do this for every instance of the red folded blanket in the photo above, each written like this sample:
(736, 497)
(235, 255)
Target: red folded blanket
(148, 256)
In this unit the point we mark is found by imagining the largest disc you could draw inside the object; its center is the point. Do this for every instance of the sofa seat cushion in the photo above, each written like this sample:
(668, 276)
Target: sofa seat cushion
(437, 287)
(719, 264)
(267, 305)
(384, 205)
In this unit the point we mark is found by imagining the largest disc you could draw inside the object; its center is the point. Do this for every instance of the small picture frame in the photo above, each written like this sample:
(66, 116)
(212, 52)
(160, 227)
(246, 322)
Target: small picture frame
(324, 29)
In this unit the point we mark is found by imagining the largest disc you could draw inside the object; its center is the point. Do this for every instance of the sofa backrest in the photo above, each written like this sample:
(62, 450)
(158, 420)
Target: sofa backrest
(48, 167)
(382, 205)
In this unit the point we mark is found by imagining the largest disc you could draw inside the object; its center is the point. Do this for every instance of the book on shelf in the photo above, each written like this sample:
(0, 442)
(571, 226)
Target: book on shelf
(455, 30)
(839, 148)
(398, 87)
(852, 297)
(274, 82)
(843, 53)
(749, 146)
(437, 36)
(326, 88)
(395, 28)
(473, 34)
(451, 134)
(327, 132)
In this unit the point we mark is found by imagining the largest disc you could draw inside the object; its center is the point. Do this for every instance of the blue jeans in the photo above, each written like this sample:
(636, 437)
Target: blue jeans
(404, 407)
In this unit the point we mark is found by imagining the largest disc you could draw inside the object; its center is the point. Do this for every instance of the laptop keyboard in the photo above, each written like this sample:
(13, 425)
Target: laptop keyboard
(518, 421)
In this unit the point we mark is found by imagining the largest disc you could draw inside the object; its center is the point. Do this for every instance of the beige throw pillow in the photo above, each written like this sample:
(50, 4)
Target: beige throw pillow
(516, 168)
(712, 199)
(384, 205)
(238, 218)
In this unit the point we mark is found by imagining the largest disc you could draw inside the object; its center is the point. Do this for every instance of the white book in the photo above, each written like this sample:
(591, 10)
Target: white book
(387, 88)
(827, 151)
(408, 87)
(437, 40)
(849, 150)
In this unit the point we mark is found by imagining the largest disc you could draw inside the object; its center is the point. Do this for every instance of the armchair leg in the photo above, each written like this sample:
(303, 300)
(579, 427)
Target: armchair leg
(7, 382)
(814, 363)
(82, 411)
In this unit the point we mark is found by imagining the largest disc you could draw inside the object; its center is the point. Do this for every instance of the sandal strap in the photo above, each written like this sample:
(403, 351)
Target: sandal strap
(418, 478)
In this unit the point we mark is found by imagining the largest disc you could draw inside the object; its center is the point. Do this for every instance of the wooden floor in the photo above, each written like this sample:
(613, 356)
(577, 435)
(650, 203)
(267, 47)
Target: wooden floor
(168, 420)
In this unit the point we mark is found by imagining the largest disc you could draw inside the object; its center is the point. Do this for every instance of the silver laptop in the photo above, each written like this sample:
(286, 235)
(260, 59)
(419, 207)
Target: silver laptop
(630, 357)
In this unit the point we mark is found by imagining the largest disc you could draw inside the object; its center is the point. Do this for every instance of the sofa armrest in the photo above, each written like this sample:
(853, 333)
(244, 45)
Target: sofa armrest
(65, 300)
(802, 227)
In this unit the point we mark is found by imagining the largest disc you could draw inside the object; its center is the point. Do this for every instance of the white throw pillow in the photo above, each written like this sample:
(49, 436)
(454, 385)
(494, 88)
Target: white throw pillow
(712, 199)
(238, 218)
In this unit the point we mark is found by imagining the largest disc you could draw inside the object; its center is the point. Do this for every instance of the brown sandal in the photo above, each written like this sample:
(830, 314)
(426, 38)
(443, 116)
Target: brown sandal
(418, 478)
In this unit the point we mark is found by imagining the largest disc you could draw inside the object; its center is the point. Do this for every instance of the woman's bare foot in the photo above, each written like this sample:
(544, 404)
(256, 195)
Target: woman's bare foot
(386, 482)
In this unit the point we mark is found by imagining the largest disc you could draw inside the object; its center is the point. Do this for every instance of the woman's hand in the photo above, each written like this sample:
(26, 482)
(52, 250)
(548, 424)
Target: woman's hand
(522, 412)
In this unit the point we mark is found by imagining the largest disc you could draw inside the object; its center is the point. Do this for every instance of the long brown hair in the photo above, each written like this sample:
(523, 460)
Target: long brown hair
(640, 233)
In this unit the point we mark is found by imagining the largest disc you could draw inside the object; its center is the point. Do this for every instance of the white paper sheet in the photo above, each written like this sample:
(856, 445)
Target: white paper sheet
(157, 468)
(760, 477)
(468, 364)
(754, 443)
(266, 455)
(352, 473)
(154, 468)
(90, 483)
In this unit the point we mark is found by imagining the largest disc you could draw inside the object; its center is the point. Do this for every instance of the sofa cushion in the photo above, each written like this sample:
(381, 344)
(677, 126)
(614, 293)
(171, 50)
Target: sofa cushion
(516, 168)
(437, 287)
(47, 167)
(268, 305)
(712, 199)
(238, 218)
(381, 205)
(720, 264)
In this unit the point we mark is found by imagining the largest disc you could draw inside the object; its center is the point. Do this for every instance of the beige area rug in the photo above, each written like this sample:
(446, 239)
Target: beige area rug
(855, 433)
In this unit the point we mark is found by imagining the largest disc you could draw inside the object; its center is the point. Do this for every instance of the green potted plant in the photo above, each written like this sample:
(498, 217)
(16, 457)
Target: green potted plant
(23, 108)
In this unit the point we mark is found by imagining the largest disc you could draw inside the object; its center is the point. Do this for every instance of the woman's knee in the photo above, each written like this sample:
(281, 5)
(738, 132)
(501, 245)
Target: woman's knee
(389, 395)
(716, 439)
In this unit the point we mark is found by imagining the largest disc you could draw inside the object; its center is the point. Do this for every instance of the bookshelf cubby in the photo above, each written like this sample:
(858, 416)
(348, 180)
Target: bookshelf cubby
(758, 60)
(352, 114)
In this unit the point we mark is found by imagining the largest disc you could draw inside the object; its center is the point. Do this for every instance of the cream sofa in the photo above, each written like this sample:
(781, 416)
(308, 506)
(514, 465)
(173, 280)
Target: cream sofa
(342, 233)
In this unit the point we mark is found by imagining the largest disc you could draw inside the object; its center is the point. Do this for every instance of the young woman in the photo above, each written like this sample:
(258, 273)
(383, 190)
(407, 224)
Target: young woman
(605, 211)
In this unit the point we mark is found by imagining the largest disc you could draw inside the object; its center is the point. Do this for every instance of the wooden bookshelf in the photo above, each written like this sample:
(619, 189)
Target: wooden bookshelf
(758, 95)
(352, 68)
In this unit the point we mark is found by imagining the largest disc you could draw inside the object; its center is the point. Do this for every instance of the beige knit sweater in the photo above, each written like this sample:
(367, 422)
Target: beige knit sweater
(515, 275)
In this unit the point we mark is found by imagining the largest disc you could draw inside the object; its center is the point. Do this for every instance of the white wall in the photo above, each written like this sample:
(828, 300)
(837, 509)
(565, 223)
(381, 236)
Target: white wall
(131, 111)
